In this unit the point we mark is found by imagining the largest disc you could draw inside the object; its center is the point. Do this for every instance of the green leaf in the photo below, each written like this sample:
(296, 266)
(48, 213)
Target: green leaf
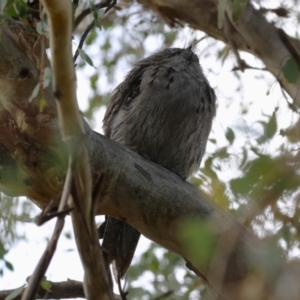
(199, 239)
(221, 12)
(34, 93)
(74, 8)
(91, 38)
(169, 37)
(3, 251)
(271, 127)
(98, 24)
(68, 235)
(15, 293)
(14, 8)
(93, 81)
(43, 103)
(221, 153)
(46, 285)
(85, 57)
(9, 265)
(238, 8)
(39, 27)
(291, 71)
(265, 175)
(230, 136)
(139, 293)
(42, 28)
(47, 78)
(20, 8)
(2, 5)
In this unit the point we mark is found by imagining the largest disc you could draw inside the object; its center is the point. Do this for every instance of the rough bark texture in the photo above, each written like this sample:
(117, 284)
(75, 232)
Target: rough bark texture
(32, 161)
(251, 32)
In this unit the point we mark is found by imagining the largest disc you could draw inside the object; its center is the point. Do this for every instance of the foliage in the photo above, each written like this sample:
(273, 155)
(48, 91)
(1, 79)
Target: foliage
(290, 70)
(165, 274)
(12, 211)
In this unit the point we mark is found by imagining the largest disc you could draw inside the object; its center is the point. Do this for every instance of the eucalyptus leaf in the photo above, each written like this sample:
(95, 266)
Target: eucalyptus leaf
(34, 93)
(291, 70)
(85, 57)
(230, 136)
(9, 265)
(47, 78)
(15, 293)
(46, 285)
(2, 5)
(238, 8)
(221, 12)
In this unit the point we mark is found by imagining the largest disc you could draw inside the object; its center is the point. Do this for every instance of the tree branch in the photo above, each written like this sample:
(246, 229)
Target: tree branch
(43, 264)
(58, 290)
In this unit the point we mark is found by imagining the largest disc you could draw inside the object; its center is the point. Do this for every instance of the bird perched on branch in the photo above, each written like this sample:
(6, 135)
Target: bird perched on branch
(163, 110)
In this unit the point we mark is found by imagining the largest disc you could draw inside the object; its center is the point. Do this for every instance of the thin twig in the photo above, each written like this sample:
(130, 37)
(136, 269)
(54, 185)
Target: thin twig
(42, 219)
(108, 4)
(246, 66)
(82, 39)
(229, 29)
(42, 266)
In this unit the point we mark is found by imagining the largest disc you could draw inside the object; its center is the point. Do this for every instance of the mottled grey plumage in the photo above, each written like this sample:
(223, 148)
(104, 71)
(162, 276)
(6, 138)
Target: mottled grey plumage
(163, 110)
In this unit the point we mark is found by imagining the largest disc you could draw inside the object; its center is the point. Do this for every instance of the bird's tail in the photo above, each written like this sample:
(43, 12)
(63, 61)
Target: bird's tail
(119, 243)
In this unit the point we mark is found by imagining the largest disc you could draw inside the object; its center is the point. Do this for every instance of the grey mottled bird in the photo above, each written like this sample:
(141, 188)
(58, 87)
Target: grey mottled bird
(163, 110)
